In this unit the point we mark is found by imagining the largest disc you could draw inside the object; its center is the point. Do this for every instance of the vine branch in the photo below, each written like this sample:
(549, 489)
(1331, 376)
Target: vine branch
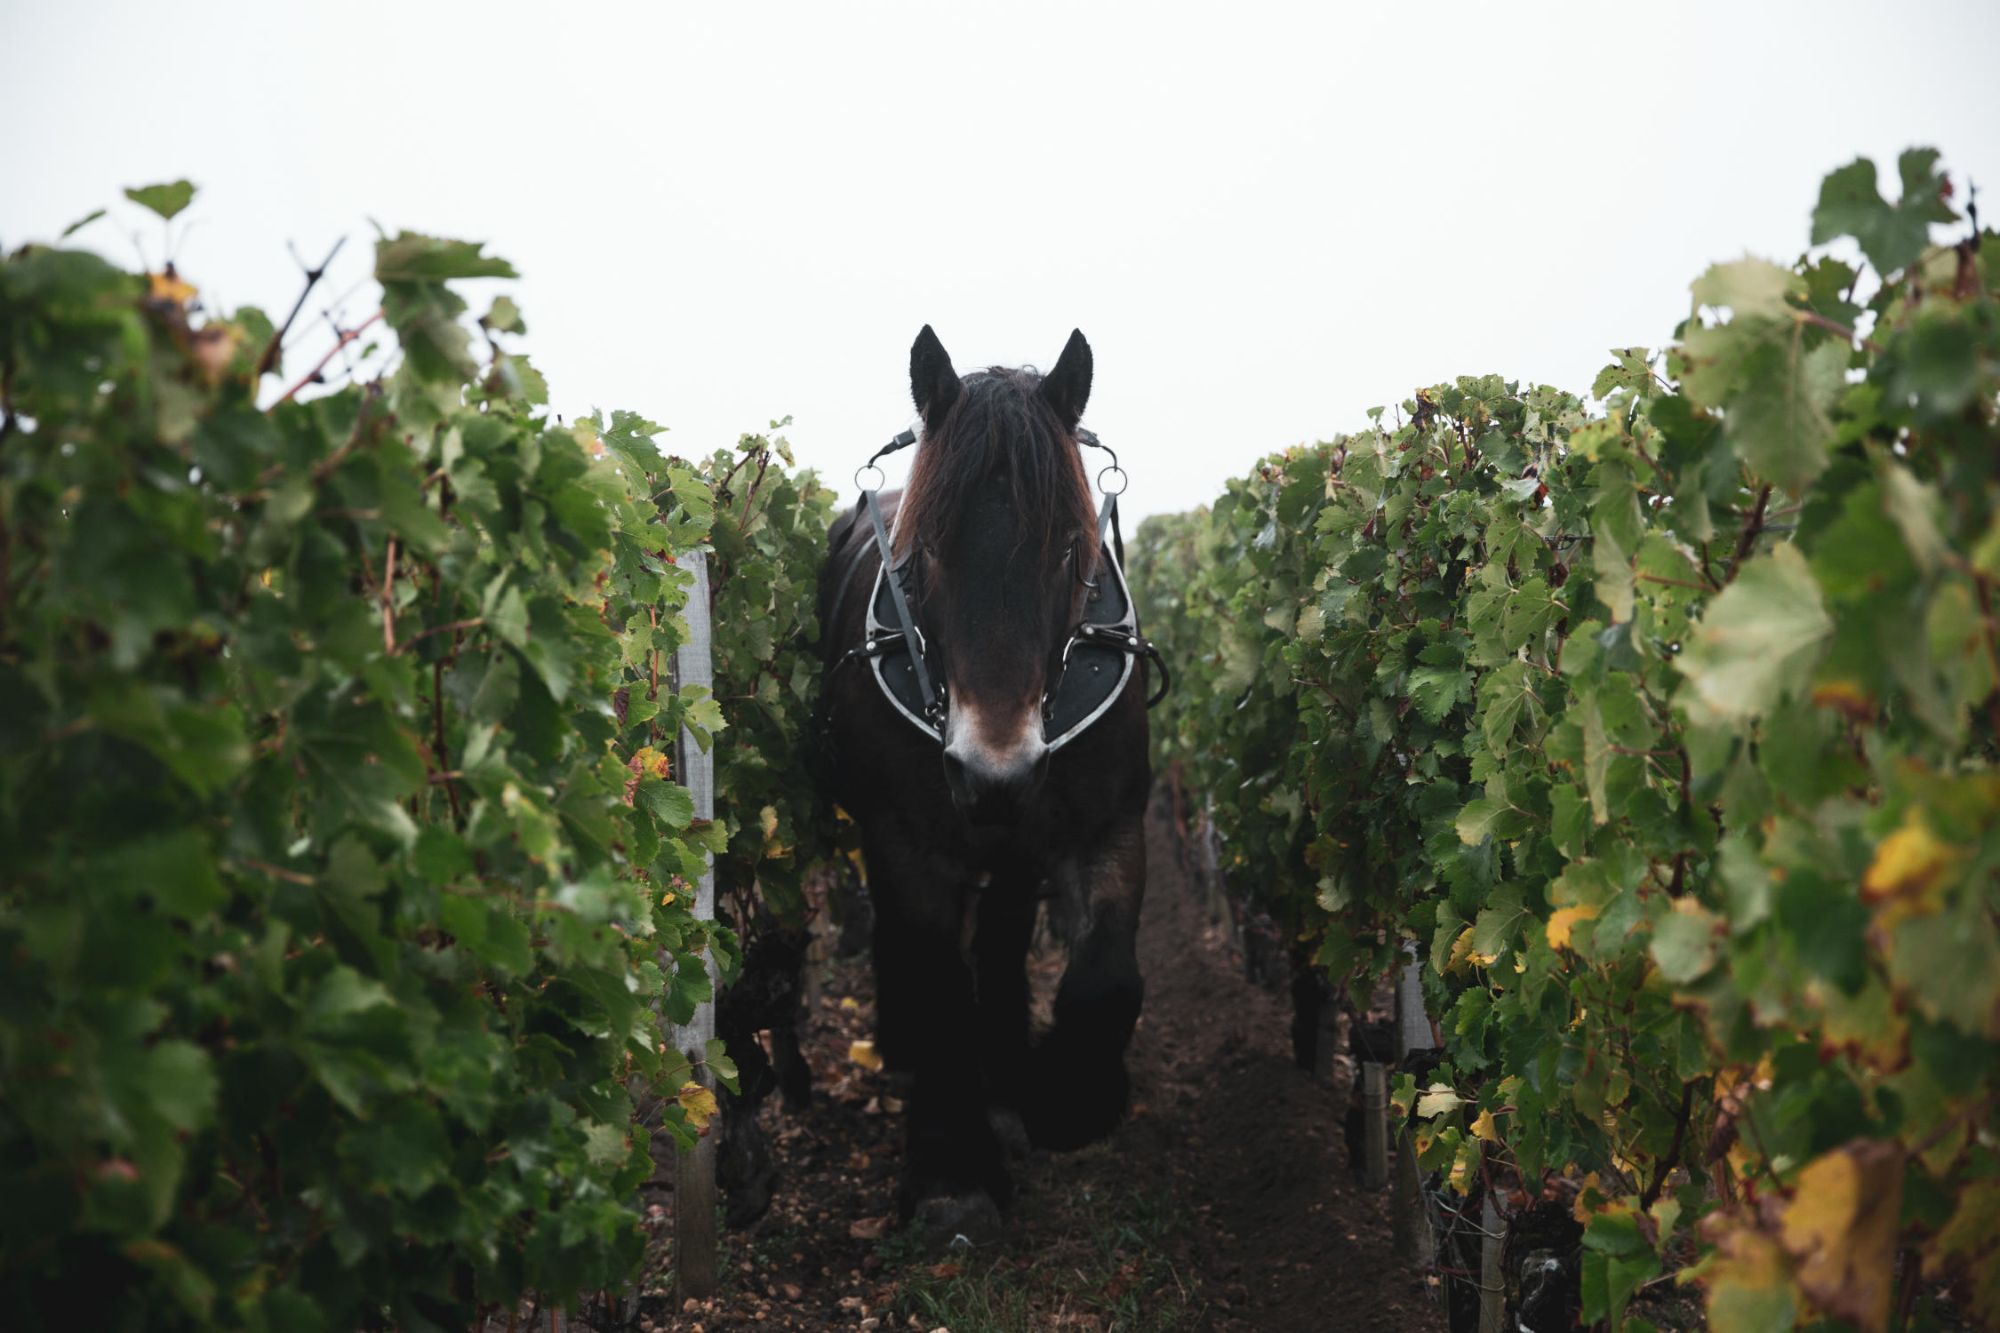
(1752, 526)
(312, 376)
(389, 600)
(1673, 1157)
(268, 361)
(1820, 321)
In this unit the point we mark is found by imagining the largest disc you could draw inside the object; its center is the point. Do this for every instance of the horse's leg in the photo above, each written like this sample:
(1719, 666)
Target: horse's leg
(1004, 930)
(1078, 1087)
(954, 1171)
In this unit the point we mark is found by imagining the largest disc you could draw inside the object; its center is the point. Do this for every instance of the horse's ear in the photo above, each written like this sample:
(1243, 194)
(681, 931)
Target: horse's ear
(1067, 387)
(933, 383)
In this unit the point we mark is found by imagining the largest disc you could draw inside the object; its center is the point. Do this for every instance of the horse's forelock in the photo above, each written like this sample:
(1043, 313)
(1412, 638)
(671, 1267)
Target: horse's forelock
(1000, 422)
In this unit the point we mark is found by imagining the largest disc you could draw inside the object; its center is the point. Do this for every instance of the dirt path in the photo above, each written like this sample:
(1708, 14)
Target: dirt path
(1224, 1202)
(1286, 1238)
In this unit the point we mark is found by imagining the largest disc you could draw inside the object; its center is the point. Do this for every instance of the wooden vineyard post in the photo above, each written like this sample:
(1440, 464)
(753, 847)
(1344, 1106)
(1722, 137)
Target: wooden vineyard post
(1492, 1287)
(1208, 872)
(694, 1171)
(1409, 1216)
(1409, 1219)
(1374, 1125)
(1413, 1025)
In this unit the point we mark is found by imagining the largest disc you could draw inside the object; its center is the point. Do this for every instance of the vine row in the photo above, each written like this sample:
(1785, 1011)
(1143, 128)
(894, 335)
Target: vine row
(1664, 730)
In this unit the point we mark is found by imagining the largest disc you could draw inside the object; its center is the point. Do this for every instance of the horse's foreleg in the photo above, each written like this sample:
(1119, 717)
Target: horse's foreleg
(1006, 925)
(1079, 1088)
(928, 1024)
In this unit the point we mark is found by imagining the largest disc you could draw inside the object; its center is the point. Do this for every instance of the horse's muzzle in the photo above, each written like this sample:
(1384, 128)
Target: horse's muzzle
(987, 792)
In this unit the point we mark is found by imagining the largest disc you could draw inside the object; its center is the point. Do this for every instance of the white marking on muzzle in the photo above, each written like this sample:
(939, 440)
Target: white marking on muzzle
(999, 752)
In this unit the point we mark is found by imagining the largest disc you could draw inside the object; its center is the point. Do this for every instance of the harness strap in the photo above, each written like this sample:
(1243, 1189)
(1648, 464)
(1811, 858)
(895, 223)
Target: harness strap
(1135, 644)
(903, 440)
(905, 622)
(1123, 638)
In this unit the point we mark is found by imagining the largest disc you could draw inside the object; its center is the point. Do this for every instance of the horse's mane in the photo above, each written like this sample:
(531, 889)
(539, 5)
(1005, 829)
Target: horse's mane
(998, 424)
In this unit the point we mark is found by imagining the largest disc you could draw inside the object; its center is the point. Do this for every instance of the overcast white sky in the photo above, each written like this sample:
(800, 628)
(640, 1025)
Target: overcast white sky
(1265, 218)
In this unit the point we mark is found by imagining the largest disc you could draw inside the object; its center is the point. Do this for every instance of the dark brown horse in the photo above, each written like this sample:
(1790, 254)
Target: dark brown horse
(967, 832)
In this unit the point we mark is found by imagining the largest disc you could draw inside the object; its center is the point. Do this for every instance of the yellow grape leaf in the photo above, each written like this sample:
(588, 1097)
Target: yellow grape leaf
(1666, 1211)
(1866, 1025)
(649, 762)
(1593, 1199)
(1727, 1081)
(1749, 1289)
(1590, 1199)
(698, 1103)
(1845, 696)
(1741, 1160)
(1564, 920)
(1464, 1166)
(1461, 951)
(170, 287)
(1482, 1127)
(1841, 1228)
(767, 819)
(1438, 1099)
(1909, 866)
(863, 1053)
(848, 1004)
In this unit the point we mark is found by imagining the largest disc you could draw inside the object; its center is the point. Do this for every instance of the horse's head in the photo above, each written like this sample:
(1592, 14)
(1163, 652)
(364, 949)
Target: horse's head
(997, 516)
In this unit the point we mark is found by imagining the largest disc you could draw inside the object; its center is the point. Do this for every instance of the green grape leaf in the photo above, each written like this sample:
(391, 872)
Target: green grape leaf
(166, 200)
(1891, 235)
(1758, 641)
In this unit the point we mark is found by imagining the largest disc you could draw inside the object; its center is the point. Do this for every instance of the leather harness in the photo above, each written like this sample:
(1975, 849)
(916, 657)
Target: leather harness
(1097, 660)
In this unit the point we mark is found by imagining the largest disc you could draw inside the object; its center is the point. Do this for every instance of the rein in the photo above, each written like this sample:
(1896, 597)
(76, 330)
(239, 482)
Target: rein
(890, 624)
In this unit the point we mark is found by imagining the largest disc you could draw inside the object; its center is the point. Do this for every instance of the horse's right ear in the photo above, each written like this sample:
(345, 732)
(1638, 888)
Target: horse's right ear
(933, 383)
(1067, 386)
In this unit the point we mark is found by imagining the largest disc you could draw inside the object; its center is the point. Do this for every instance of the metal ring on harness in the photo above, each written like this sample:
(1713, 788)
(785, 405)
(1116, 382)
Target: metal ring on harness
(880, 477)
(1123, 480)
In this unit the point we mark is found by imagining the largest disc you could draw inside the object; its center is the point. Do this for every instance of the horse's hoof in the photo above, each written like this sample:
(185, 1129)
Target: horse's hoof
(1011, 1130)
(958, 1221)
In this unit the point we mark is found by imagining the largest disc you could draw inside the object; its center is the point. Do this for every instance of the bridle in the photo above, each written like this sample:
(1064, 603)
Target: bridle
(1097, 659)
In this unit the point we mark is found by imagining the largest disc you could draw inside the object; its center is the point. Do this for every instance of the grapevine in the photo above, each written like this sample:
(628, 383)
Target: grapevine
(1664, 729)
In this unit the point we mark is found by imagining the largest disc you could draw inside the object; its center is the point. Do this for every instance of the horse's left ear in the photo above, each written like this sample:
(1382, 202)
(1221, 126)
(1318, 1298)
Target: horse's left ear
(1067, 387)
(934, 385)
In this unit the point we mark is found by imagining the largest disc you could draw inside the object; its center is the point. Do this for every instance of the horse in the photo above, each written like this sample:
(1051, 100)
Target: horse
(968, 825)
